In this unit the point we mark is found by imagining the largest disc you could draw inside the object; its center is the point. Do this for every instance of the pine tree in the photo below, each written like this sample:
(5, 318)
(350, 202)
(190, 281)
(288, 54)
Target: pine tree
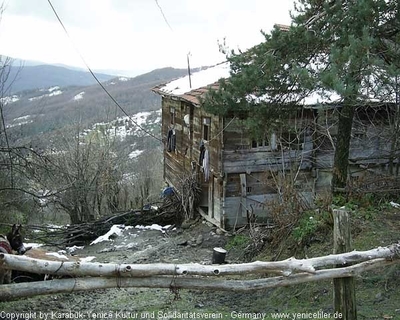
(348, 48)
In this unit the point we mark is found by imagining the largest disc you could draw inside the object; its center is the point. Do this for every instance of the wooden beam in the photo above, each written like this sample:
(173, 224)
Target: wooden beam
(29, 289)
(243, 196)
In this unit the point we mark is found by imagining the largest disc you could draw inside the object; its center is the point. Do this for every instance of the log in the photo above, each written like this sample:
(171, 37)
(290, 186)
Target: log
(285, 267)
(169, 213)
(15, 291)
(344, 294)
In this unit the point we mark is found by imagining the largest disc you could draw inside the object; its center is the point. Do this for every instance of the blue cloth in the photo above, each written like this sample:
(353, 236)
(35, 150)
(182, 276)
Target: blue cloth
(168, 191)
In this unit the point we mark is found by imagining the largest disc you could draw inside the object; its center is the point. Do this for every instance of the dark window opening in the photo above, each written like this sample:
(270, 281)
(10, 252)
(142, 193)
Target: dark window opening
(206, 129)
(172, 114)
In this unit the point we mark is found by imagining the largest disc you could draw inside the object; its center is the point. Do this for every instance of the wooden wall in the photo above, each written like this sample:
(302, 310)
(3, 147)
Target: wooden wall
(178, 164)
(253, 173)
(243, 178)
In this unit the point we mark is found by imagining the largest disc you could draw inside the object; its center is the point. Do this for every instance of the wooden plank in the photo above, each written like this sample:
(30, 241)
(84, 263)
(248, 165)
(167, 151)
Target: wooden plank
(243, 197)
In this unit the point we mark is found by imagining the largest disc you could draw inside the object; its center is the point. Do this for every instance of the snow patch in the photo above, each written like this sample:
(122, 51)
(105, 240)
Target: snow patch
(8, 100)
(115, 229)
(57, 255)
(20, 121)
(153, 227)
(33, 245)
(74, 248)
(55, 93)
(79, 96)
(134, 154)
(395, 205)
(87, 259)
(51, 89)
(123, 79)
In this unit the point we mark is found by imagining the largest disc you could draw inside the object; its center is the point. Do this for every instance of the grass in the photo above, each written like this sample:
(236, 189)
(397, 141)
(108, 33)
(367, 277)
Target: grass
(377, 292)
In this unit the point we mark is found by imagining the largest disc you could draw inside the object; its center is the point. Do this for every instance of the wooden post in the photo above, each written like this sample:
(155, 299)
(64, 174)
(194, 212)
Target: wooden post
(344, 291)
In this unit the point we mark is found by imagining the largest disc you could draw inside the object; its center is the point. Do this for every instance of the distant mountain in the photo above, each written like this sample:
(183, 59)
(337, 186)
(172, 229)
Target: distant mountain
(35, 113)
(44, 76)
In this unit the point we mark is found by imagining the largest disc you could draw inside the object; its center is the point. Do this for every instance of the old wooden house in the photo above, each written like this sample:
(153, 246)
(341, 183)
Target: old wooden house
(242, 179)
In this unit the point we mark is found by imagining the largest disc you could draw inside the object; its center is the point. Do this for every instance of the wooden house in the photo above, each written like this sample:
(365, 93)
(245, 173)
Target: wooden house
(242, 179)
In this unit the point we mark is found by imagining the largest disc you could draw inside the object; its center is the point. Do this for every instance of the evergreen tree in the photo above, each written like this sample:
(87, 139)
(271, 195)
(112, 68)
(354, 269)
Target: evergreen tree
(345, 51)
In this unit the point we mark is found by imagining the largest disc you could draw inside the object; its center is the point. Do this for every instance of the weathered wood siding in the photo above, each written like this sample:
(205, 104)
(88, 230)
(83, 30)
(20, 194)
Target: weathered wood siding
(184, 160)
(370, 146)
(244, 176)
(252, 174)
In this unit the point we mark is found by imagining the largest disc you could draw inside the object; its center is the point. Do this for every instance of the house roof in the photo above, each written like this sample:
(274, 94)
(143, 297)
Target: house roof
(200, 82)
(206, 79)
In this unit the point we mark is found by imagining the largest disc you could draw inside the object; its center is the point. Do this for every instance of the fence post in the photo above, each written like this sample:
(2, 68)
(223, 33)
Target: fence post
(344, 295)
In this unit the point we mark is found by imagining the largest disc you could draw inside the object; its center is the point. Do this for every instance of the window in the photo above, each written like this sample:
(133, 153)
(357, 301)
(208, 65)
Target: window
(172, 114)
(269, 141)
(206, 128)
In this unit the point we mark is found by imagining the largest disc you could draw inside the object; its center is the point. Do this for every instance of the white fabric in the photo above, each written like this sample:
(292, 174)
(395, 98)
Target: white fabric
(206, 165)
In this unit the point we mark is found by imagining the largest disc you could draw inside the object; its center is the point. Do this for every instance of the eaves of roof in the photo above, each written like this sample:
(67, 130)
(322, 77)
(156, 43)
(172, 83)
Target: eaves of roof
(192, 96)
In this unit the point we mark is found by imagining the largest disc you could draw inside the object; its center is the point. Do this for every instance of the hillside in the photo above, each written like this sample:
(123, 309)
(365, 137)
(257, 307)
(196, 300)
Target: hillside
(35, 77)
(38, 113)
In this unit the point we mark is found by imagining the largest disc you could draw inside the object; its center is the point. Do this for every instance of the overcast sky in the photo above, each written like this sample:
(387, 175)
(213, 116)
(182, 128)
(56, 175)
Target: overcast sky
(133, 35)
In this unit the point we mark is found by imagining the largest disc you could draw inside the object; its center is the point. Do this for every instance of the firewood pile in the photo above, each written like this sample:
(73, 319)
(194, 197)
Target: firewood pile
(189, 196)
(173, 210)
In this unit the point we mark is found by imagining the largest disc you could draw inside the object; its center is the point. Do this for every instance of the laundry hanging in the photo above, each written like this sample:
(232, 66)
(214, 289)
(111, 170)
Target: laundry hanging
(171, 140)
(202, 150)
(206, 165)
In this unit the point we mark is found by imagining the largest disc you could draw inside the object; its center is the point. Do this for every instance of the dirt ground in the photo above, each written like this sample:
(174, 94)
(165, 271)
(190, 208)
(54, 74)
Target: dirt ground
(194, 243)
(377, 291)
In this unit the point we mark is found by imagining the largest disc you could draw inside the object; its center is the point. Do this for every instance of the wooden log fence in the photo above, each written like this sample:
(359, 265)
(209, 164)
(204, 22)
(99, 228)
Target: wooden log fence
(89, 276)
(342, 266)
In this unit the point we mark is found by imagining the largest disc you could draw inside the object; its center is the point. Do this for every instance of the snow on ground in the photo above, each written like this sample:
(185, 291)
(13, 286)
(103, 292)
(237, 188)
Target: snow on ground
(54, 91)
(51, 89)
(20, 121)
(123, 79)
(8, 100)
(135, 153)
(118, 230)
(153, 227)
(395, 205)
(79, 96)
(57, 255)
(115, 229)
(128, 127)
(87, 259)
(32, 245)
(73, 249)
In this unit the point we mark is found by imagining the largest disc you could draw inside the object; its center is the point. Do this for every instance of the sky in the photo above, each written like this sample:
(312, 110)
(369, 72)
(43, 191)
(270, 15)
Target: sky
(135, 36)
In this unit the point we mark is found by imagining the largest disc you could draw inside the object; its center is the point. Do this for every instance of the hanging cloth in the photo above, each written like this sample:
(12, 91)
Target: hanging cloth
(206, 165)
(202, 150)
(169, 140)
(173, 140)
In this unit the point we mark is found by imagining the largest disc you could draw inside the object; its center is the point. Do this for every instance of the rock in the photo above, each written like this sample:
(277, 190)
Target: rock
(199, 239)
(219, 232)
(183, 243)
(113, 236)
(185, 225)
(379, 297)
